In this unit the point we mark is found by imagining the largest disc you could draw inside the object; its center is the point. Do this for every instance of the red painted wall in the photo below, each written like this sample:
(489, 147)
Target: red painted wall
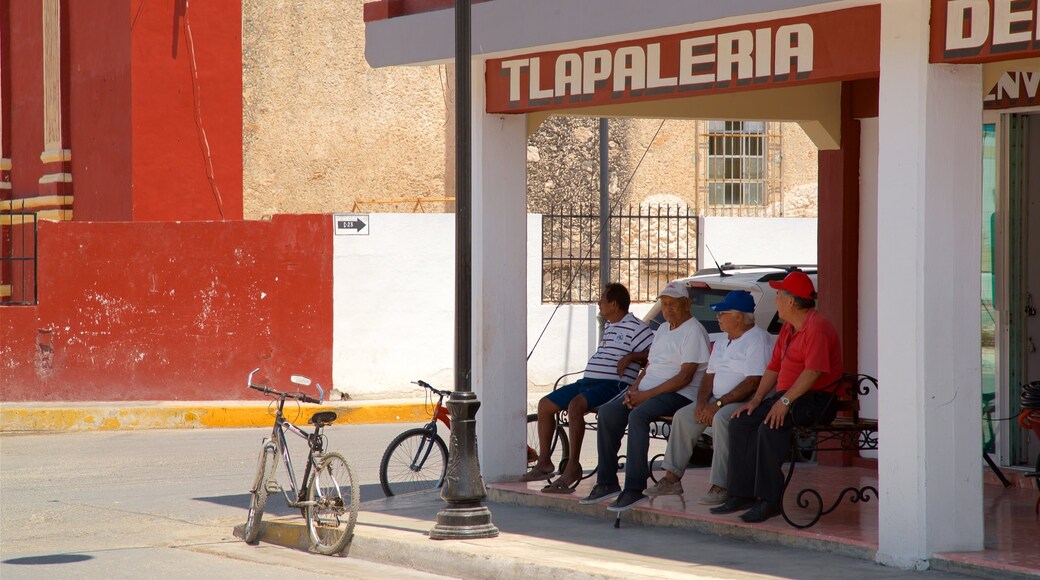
(131, 116)
(169, 159)
(26, 24)
(167, 311)
(99, 107)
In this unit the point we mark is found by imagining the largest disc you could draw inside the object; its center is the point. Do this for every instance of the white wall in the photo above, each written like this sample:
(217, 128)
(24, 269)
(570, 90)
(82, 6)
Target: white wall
(746, 240)
(394, 305)
(868, 263)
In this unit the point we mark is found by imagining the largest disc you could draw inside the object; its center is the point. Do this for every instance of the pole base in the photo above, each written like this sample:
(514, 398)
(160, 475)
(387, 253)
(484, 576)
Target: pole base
(471, 523)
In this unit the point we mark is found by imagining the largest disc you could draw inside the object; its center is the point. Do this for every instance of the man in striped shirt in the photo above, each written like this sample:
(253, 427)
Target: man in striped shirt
(613, 367)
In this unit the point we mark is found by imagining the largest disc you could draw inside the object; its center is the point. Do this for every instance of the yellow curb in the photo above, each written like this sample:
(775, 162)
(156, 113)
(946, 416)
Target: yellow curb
(285, 532)
(119, 416)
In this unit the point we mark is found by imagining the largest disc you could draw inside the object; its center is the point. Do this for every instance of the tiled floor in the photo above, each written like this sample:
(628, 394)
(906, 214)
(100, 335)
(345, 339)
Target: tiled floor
(1012, 528)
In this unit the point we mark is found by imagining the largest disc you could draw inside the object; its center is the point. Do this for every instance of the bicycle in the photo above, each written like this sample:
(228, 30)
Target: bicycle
(329, 497)
(417, 459)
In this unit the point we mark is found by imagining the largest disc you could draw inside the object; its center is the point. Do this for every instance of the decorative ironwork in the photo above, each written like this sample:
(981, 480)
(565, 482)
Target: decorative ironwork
(850, 432)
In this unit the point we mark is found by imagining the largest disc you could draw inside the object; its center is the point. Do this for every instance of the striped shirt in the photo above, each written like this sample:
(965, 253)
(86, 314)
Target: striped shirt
(619, 339)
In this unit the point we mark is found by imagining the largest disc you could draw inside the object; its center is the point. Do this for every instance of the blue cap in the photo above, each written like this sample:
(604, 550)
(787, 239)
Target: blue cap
(736, 300)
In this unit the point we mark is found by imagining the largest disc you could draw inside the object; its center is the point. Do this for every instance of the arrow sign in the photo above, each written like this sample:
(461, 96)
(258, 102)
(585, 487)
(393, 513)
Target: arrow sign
(351, 224)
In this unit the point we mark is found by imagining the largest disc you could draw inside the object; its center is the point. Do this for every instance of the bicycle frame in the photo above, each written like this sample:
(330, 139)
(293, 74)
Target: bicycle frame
(315, 446)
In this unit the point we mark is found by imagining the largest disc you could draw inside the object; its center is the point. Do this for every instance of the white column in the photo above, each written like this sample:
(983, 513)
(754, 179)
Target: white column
(499, 287)
(929, 231)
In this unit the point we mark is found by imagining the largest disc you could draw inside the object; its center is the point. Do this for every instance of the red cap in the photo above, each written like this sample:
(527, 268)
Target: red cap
(798, 284)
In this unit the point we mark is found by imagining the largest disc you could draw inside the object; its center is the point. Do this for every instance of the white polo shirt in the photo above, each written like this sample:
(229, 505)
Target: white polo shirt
(732, 361)
(671, 350)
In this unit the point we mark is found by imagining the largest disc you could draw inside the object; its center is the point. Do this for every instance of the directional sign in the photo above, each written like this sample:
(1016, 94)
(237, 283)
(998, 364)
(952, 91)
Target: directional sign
(350, 224)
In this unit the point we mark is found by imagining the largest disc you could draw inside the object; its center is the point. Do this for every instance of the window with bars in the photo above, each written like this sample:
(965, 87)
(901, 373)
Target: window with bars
(736, 163)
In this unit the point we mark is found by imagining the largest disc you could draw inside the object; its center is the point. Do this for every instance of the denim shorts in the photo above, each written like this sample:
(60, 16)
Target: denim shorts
(595, 391)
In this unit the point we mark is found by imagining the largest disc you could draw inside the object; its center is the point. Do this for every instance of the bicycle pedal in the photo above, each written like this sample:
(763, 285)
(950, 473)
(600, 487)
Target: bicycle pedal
(273, 487)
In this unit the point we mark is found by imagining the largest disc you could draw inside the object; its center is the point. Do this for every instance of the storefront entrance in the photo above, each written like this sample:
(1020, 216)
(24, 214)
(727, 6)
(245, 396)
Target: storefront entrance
(1011, 286)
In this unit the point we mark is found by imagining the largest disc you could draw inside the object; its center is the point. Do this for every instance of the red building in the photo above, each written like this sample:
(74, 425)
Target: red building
(121, 211)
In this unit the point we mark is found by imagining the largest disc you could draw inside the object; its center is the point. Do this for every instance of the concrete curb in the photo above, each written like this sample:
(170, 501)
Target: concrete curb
(43, 417)
(498, 558)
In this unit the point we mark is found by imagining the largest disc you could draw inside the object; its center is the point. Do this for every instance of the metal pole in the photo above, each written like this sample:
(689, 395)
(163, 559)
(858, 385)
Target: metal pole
(604, 210)
(464, 518)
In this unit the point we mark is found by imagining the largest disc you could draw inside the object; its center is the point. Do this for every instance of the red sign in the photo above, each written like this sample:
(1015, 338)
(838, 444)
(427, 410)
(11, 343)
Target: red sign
(974, 31)
(1014, 89)
(822, 47)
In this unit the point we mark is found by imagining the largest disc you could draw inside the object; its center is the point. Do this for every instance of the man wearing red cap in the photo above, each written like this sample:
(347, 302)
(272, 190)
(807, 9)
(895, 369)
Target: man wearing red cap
(806, 361)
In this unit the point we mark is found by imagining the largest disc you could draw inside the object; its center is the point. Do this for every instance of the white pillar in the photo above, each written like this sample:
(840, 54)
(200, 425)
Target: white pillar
(499, 286)
(929, 231)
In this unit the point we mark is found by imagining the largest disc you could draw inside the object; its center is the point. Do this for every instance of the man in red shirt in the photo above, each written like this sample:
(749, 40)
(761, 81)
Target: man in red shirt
(806, 362)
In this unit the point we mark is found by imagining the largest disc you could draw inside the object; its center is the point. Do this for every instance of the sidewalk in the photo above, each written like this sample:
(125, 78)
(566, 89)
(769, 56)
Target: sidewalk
(116, 415)
(542, 543)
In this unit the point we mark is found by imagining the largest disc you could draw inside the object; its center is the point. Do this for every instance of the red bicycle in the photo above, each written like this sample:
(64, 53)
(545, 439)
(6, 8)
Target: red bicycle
(417, 459)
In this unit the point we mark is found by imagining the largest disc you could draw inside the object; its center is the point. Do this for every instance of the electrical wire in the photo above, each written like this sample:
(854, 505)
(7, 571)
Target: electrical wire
(197, 109)
(595, 237)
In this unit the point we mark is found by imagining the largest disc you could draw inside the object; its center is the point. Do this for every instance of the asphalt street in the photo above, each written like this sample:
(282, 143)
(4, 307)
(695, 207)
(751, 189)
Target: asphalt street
(148, 504)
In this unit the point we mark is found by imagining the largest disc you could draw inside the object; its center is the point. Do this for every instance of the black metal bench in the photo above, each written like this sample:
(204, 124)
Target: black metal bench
(848, 431)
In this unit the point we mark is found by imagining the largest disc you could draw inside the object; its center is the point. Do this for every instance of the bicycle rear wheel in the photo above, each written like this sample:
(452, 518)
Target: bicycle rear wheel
(415, 460)
(333, 498)
(561, 446)
(258, 494)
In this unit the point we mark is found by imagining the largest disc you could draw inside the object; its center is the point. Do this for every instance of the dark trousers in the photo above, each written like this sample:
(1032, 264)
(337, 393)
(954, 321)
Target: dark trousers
(612, 419)
(757, 451)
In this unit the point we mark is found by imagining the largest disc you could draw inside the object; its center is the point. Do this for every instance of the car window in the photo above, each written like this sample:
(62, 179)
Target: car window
(702, 299)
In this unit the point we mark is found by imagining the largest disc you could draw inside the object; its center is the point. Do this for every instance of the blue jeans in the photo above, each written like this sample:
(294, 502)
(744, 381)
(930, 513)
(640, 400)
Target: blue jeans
(613, 418)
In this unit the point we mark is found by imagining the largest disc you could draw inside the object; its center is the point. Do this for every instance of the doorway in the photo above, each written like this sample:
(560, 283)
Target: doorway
(1016, 297)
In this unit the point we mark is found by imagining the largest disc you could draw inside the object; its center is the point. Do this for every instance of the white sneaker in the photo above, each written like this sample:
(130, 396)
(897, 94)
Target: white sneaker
(715, 496)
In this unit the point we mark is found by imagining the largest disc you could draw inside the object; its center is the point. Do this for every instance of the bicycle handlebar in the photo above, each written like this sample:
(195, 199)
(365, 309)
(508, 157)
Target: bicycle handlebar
(269, 391)
(426, 385)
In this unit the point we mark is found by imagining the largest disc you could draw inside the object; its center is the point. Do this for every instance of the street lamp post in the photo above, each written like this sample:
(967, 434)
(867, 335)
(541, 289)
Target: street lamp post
(465, 517)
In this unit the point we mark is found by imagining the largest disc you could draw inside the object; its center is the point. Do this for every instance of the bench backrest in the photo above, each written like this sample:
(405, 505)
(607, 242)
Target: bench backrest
(847, 391)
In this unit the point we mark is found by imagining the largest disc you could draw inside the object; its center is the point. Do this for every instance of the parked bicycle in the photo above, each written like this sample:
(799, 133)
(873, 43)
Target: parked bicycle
(329, 495)
(417, 459)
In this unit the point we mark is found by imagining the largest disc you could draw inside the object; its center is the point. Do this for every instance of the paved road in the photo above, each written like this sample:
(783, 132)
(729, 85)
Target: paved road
(147, 503)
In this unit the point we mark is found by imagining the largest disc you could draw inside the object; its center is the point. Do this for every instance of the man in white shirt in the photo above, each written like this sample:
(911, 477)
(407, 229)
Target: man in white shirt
(734, 371)
(613, 367)
(668, 382)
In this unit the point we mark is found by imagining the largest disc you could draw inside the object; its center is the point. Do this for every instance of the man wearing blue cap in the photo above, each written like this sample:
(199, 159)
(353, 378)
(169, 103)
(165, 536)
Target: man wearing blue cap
(734, 370)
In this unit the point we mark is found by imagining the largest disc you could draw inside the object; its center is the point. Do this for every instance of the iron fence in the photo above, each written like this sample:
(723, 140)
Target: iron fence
(18, 258)
(650, 245)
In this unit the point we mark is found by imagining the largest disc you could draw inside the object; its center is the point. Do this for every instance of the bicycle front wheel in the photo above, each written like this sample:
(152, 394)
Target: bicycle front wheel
(333, 498)
(414, 461)
(258, 494)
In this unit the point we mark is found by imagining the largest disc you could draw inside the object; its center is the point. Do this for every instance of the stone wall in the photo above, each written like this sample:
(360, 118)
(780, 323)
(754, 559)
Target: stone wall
(322, 129)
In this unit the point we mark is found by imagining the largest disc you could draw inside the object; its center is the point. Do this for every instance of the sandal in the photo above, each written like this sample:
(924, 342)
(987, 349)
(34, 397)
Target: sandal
(535, 475)
(559, 488)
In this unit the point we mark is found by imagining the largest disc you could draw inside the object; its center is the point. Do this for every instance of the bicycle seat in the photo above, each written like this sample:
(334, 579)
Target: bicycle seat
(323, 418)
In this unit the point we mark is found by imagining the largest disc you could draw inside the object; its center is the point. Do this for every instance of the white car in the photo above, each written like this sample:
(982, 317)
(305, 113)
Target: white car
(708, 287)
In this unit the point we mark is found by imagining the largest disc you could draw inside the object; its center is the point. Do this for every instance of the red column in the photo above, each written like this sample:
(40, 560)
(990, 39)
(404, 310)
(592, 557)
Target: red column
(838, 229)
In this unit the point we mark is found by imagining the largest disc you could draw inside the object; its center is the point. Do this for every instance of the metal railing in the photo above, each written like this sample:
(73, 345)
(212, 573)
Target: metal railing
(18, 243)
(649, 247)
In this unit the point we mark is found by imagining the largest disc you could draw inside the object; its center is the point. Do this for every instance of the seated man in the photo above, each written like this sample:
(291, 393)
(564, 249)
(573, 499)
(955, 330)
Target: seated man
(806, 360)
(613, 367)
(734, 369)
(668, 383)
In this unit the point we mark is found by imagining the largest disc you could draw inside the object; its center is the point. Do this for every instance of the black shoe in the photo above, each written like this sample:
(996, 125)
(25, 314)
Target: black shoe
(733, 504)
(761, 512)
(628, 499)
(600, 493)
